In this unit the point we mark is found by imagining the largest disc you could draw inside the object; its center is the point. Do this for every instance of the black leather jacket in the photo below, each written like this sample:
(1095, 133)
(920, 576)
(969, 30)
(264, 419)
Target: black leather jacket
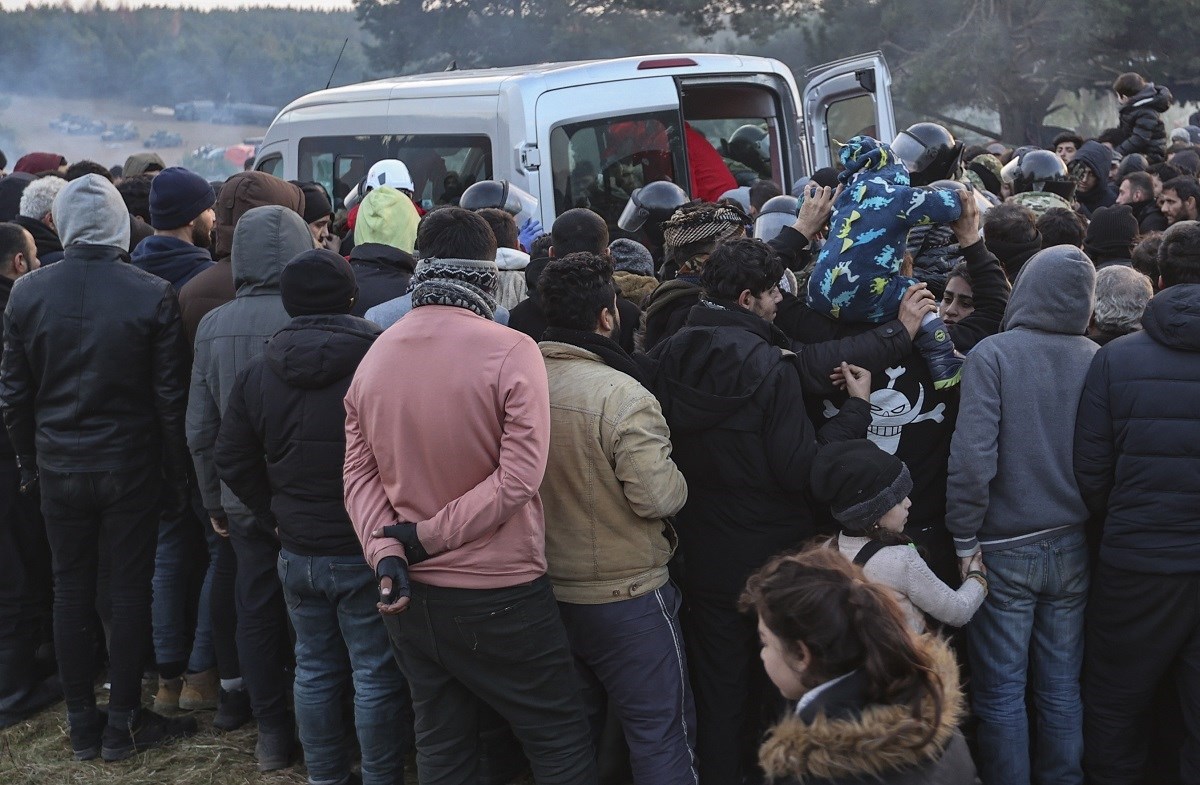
(94, 375)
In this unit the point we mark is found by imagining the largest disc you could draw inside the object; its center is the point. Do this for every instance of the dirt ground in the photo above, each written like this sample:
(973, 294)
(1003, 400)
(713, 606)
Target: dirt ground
(29, 118)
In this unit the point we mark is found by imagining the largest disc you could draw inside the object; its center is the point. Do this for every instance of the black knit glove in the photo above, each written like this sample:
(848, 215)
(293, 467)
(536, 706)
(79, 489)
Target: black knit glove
(395, 571)
(406, 533)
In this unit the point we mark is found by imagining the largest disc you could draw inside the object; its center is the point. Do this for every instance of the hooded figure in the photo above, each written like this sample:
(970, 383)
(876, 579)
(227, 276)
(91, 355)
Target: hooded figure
(1012, 494)
(142, 163)
(36, 163)
(385, 237)
(1093, 158)
(1043, 341)
(240, 194)
(263, 242)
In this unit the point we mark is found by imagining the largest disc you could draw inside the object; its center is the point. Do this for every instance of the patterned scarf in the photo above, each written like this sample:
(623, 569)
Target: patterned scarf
(462, 283)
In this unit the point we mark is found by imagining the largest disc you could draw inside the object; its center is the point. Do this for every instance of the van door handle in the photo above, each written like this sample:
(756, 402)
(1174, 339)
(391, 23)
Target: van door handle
(530, 157)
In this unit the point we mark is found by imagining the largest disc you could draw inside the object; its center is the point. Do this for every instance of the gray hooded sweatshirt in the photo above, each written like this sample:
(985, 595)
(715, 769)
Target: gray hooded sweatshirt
(265, 239)
(1011, 480)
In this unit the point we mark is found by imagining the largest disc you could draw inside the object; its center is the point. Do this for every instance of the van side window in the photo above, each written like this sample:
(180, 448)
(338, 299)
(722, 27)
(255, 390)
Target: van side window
(441, 166)
(271, 165)
(597, 164)
(848, 118)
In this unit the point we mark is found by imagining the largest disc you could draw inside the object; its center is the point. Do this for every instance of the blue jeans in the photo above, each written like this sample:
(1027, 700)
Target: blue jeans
(1032, 618)
(331, 602)
(632, 652)
(174, 561)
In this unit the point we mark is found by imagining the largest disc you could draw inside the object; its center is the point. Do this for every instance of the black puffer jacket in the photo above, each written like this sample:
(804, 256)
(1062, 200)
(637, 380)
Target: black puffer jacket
(95, 374)
(1149, 217)
(382, 273)
(1137, 439)
(1142, 124)
(283, 437)
(666, 310)
(730, 391)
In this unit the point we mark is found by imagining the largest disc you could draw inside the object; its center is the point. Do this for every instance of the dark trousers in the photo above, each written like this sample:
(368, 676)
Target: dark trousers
(631, 652)
(263, 641)
(1139, 626)
(504, 647)
(83, 510)
(223, 607)
(735, 700)
(26, 587)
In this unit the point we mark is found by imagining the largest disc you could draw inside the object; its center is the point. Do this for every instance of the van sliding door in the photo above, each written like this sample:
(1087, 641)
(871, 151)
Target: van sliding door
(599, 142)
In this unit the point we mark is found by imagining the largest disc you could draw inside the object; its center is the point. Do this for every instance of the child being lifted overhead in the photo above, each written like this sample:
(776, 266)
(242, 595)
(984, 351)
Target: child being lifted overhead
(857, 274)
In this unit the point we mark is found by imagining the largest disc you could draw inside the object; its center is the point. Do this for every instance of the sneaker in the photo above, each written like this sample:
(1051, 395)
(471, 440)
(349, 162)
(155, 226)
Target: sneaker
(233, 710)
(274, 748)
(87, 729)
(200, 691)
(146, 730)
(167, 696)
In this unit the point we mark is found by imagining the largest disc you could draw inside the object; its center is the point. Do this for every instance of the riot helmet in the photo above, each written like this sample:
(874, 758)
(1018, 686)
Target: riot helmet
(929, 152)
(776, 213)
(751, 145)
(1039, 170)
(653, 203)
(500, 195)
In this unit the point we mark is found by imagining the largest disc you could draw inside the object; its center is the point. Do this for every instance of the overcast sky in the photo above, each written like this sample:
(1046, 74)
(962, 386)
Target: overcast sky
(330, 5)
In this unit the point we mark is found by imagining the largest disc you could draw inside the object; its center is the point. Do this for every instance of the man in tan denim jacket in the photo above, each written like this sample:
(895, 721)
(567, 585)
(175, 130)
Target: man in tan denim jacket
(610, 487)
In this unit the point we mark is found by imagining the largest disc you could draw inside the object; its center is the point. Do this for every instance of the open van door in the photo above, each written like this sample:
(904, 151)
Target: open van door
(598, 143)
(843, 99)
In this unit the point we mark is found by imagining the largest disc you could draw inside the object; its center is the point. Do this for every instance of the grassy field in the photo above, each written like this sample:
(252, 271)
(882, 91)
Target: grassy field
(37, 752)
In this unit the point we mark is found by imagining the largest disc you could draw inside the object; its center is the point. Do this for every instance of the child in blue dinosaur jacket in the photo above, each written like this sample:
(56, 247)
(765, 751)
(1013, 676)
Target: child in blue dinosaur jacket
(857, 274)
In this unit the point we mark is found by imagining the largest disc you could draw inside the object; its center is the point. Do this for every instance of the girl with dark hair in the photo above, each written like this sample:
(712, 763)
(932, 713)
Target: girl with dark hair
(875, 703)
(867, 490)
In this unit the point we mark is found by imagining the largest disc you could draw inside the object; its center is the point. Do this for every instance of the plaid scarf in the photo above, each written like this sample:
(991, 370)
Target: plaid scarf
(462, 283)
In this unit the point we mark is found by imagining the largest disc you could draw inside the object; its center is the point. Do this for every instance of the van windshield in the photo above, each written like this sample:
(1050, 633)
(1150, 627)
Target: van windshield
(597, 164)
(441, 166)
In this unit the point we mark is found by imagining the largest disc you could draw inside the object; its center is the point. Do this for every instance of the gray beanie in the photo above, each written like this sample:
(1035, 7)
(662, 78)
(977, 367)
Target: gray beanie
(89, 211)
(631, 256)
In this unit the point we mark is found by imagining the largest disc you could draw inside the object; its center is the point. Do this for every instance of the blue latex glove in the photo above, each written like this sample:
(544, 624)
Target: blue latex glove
(530, 231)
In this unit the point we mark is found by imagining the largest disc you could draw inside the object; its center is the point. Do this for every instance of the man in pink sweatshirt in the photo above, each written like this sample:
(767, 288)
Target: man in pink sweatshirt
(447, 435)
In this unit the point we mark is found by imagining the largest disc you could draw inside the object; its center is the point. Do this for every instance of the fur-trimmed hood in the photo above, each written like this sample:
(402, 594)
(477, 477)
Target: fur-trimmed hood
(850, 748)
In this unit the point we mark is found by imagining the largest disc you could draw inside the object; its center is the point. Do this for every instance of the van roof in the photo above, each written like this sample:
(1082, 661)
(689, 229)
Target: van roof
(491, 81)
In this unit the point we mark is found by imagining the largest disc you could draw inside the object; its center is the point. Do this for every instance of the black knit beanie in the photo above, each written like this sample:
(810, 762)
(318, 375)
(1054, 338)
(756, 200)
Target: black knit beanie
(177, 197)
(316, 201)
(859, 482)
(316, 282)
(1111, 232)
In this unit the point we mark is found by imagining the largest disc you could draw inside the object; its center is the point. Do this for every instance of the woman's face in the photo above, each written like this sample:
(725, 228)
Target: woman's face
(958, 301)
(784, 669)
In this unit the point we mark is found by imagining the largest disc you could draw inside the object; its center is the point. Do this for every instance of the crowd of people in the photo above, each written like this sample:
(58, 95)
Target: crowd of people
(903, 487)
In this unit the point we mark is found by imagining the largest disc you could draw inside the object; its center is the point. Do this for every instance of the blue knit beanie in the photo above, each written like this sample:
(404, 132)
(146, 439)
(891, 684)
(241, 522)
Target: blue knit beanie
(177, 197)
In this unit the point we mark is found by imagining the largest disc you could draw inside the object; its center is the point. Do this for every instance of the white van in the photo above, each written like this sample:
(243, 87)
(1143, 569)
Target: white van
(581, 133)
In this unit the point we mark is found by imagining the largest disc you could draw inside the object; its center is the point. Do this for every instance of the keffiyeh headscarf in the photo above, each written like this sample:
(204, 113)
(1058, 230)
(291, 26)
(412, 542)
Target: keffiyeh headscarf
(702, 223)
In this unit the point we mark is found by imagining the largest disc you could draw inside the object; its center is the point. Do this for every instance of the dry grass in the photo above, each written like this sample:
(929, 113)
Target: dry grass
(38, 752)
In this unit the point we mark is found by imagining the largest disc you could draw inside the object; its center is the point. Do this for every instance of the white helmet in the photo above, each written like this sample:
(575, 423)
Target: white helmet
(390, 172)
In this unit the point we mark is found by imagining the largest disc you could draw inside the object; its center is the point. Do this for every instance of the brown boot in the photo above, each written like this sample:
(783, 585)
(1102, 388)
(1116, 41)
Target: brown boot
(167, 696)
(200, 691)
